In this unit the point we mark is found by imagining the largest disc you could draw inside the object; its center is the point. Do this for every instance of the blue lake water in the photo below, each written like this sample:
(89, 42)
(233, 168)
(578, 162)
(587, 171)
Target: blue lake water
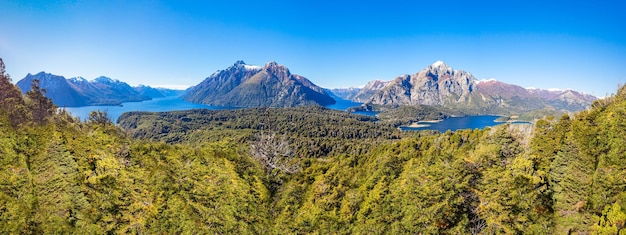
(172, 104)
(155, 105)
(176, 103)
(345, 104)
(457, 123)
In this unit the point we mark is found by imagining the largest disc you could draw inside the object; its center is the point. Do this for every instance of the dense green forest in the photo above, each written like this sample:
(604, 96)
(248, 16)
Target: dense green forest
(297, 171)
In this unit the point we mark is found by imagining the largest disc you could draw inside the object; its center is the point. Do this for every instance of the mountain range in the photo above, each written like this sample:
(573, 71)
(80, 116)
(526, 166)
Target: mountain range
(78, 91)
(439, 84)
(272, 85)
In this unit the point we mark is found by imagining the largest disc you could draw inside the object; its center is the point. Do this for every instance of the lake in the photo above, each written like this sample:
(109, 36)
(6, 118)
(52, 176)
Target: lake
(457, 123)
(175, 103)
(172, 103)
(343, 105)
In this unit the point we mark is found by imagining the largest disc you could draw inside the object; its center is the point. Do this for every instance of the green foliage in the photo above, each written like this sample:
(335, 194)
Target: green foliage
(41, 106)
(12, 104)
(356, 175)
(311, 131)
(612, 221)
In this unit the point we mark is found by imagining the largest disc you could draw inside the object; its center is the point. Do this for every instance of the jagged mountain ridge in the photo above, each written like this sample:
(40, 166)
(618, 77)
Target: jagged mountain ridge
(360, 94)
(272, 85)
(439, 84)
(78, 91)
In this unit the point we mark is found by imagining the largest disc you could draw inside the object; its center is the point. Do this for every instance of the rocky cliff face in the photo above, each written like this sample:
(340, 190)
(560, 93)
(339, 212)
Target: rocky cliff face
(243, 85)
(437, 84)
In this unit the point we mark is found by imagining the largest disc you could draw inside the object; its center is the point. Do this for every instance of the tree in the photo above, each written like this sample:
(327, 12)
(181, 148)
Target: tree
(40, 105)
(100, 118)
(11, 101)
(274, 154)
(611, 222)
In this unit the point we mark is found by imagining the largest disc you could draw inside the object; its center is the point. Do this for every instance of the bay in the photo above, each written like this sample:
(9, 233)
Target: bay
(457, 123)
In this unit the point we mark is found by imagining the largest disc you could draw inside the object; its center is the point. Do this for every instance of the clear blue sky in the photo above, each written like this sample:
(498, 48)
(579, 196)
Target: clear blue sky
(545, 44)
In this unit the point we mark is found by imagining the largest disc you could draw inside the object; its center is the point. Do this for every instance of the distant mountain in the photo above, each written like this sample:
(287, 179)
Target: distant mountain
(62, 93)
(148, 91)
(439, 84)
(360, 94)
(344, 93)
(568, 100)
(254, 86)
(78, 91)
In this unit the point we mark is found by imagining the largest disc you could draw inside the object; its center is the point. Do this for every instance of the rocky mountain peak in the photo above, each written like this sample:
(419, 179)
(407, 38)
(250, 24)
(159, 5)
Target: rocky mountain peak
(439, 68)
(78, 80)
(438, 63)
(375, 85)
(106, 80)
(245, 85)
(276, 69)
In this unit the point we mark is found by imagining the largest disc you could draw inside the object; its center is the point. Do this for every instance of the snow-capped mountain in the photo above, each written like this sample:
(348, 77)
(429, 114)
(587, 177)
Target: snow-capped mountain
(78, 91)
(440, 84)
(437, 84)
(254, 86)
(57, 88)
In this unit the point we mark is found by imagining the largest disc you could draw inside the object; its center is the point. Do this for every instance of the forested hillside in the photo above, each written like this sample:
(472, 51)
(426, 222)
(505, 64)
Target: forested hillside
(262, 171)
(312, 131)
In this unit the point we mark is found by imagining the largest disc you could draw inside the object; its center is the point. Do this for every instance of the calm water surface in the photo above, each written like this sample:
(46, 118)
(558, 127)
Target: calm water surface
(175, 103)
(155, 105)
(457, 123)
(345, 104)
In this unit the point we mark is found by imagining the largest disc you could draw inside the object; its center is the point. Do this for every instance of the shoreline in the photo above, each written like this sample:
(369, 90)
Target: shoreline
(417, 125)
(425, 123)
(430, 121)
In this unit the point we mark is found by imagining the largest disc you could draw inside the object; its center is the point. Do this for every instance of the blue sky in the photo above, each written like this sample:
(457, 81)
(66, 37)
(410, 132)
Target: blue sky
(558, 44)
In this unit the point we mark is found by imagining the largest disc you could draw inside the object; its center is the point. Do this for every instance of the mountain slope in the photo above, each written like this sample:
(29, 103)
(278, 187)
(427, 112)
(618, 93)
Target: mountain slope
(253, 86)
(59, 89)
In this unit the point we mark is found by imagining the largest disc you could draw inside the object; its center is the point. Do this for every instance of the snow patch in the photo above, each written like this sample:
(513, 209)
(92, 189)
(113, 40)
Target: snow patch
(486, 80)
(252, 67)
(558, 89)
(78, 79)
(438, 63)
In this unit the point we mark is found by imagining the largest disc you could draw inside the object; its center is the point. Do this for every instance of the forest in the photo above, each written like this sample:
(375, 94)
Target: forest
(305, 170)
